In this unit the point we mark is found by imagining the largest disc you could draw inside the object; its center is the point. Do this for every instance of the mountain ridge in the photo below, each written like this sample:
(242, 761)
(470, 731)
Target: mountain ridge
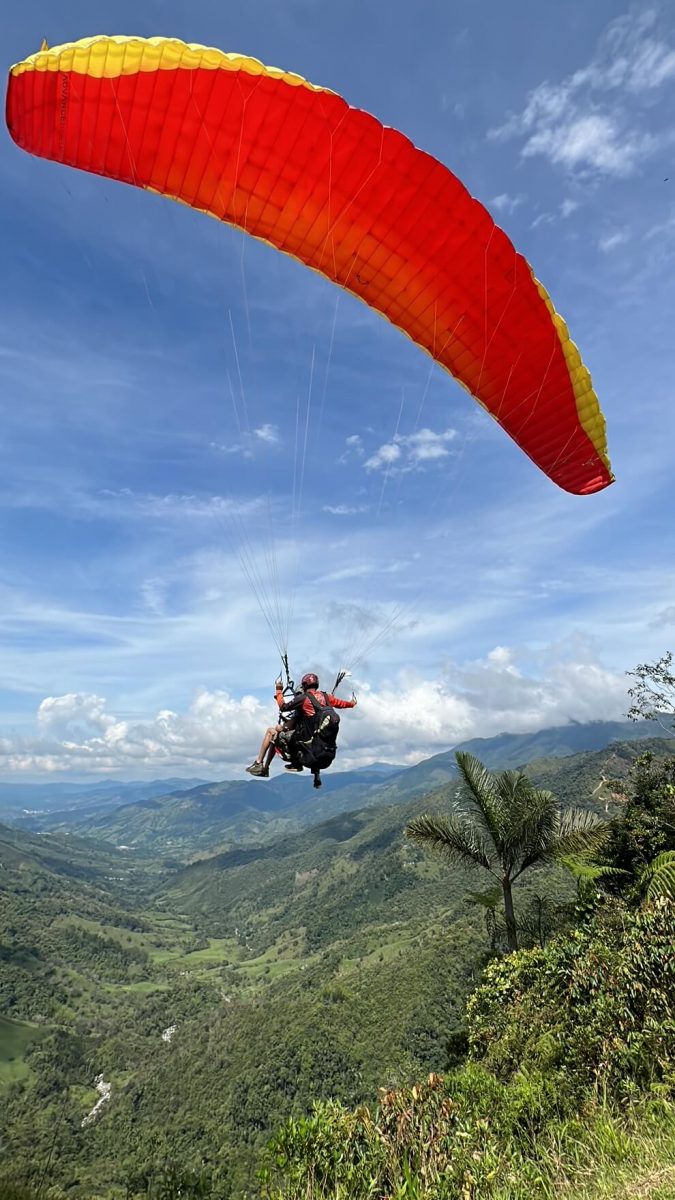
(217, 814)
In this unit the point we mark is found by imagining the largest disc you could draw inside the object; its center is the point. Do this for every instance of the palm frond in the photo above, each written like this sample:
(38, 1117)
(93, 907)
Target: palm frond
(579, 834)
(532, 825)
(483, 788)
(588, 872)
(658, 877)
(458, 841)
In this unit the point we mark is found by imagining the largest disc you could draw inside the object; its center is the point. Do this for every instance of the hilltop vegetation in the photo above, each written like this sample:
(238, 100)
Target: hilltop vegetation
(571, 1071)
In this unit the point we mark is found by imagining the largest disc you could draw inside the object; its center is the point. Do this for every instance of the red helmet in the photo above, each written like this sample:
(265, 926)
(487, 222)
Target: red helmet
(310, 681)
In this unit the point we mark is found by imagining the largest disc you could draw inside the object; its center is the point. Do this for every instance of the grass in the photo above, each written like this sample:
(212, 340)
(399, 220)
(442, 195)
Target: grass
(144, 986)
(603, 1158)
(223, 951)
(15, 1037)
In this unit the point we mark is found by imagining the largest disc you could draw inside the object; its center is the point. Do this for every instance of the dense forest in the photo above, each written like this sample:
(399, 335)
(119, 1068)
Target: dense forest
(350, 1008)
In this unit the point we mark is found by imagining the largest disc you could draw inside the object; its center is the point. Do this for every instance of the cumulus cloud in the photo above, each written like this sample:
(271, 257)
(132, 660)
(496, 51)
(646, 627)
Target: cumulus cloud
(408, 719)
(75, 732)
(268, 433)
(386, 456)
(479, 699)
(589, 122)
(405, 452)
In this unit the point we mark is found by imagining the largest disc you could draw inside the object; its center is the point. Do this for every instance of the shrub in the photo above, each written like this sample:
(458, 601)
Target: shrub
(596, 1009)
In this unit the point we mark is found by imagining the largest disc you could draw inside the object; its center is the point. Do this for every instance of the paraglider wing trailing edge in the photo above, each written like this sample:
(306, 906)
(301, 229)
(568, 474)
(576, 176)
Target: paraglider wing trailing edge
(295, 165)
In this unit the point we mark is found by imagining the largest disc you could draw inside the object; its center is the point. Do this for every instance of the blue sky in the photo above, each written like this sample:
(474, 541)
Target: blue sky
(176, 396)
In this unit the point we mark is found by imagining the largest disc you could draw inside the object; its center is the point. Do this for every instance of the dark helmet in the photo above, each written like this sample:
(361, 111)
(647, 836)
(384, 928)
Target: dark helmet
(310, 681)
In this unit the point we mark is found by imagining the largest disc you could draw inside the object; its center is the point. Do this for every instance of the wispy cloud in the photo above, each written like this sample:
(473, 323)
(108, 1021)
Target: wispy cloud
(504, 203)
(568, 207)
(587, 122)
(129, 503)
(345, 510)
(664, 618)
(353, 448)
(407, 451)
(610, 241)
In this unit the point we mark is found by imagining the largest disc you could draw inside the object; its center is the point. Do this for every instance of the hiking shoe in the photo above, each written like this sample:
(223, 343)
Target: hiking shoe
(290, 767)
(317, 781)
(257, 768)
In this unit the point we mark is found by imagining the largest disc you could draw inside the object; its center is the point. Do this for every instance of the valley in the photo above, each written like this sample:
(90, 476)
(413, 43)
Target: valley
(220, 974)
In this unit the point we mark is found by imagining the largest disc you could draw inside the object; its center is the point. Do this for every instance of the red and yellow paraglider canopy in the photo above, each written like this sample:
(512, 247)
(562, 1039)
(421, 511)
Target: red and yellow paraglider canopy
(295, 165)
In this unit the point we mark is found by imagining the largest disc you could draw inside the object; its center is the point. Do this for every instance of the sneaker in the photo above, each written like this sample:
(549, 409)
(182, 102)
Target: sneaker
(256, 768)
(317, 781)
(290, 767)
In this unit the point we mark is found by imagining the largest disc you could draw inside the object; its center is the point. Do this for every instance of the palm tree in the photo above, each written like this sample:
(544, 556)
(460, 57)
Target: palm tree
(512, 826)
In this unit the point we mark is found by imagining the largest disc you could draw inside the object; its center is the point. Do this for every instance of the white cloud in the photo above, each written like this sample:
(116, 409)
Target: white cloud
(386, 456)
(353, 448)
(404, 721)
(568, 206)
(357, 571)
(422, 716)
(586, 123)
(663, 230)
(232, 448)
(59, 714)
(425, 445)
(410, 450)
(126, 502)
(268, 433)
(344, 510)
(610, 241)
(153, 593)
(505, 203)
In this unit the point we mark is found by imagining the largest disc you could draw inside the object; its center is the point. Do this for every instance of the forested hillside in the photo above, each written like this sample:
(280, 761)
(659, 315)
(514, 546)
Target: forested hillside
(162, 1020)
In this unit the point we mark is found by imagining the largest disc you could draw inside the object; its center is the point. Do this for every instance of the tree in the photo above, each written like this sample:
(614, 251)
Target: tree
(511, 826)
(653, 695)
(646, 826)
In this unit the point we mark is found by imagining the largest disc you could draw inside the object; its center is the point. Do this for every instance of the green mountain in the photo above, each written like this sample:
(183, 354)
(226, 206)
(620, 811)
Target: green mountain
(220, 815)
(217, 814)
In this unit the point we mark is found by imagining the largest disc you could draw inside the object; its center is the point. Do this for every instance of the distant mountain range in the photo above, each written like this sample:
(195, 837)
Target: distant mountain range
(510, 750)
(38, 799)
(355, 868)
(179, 821)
